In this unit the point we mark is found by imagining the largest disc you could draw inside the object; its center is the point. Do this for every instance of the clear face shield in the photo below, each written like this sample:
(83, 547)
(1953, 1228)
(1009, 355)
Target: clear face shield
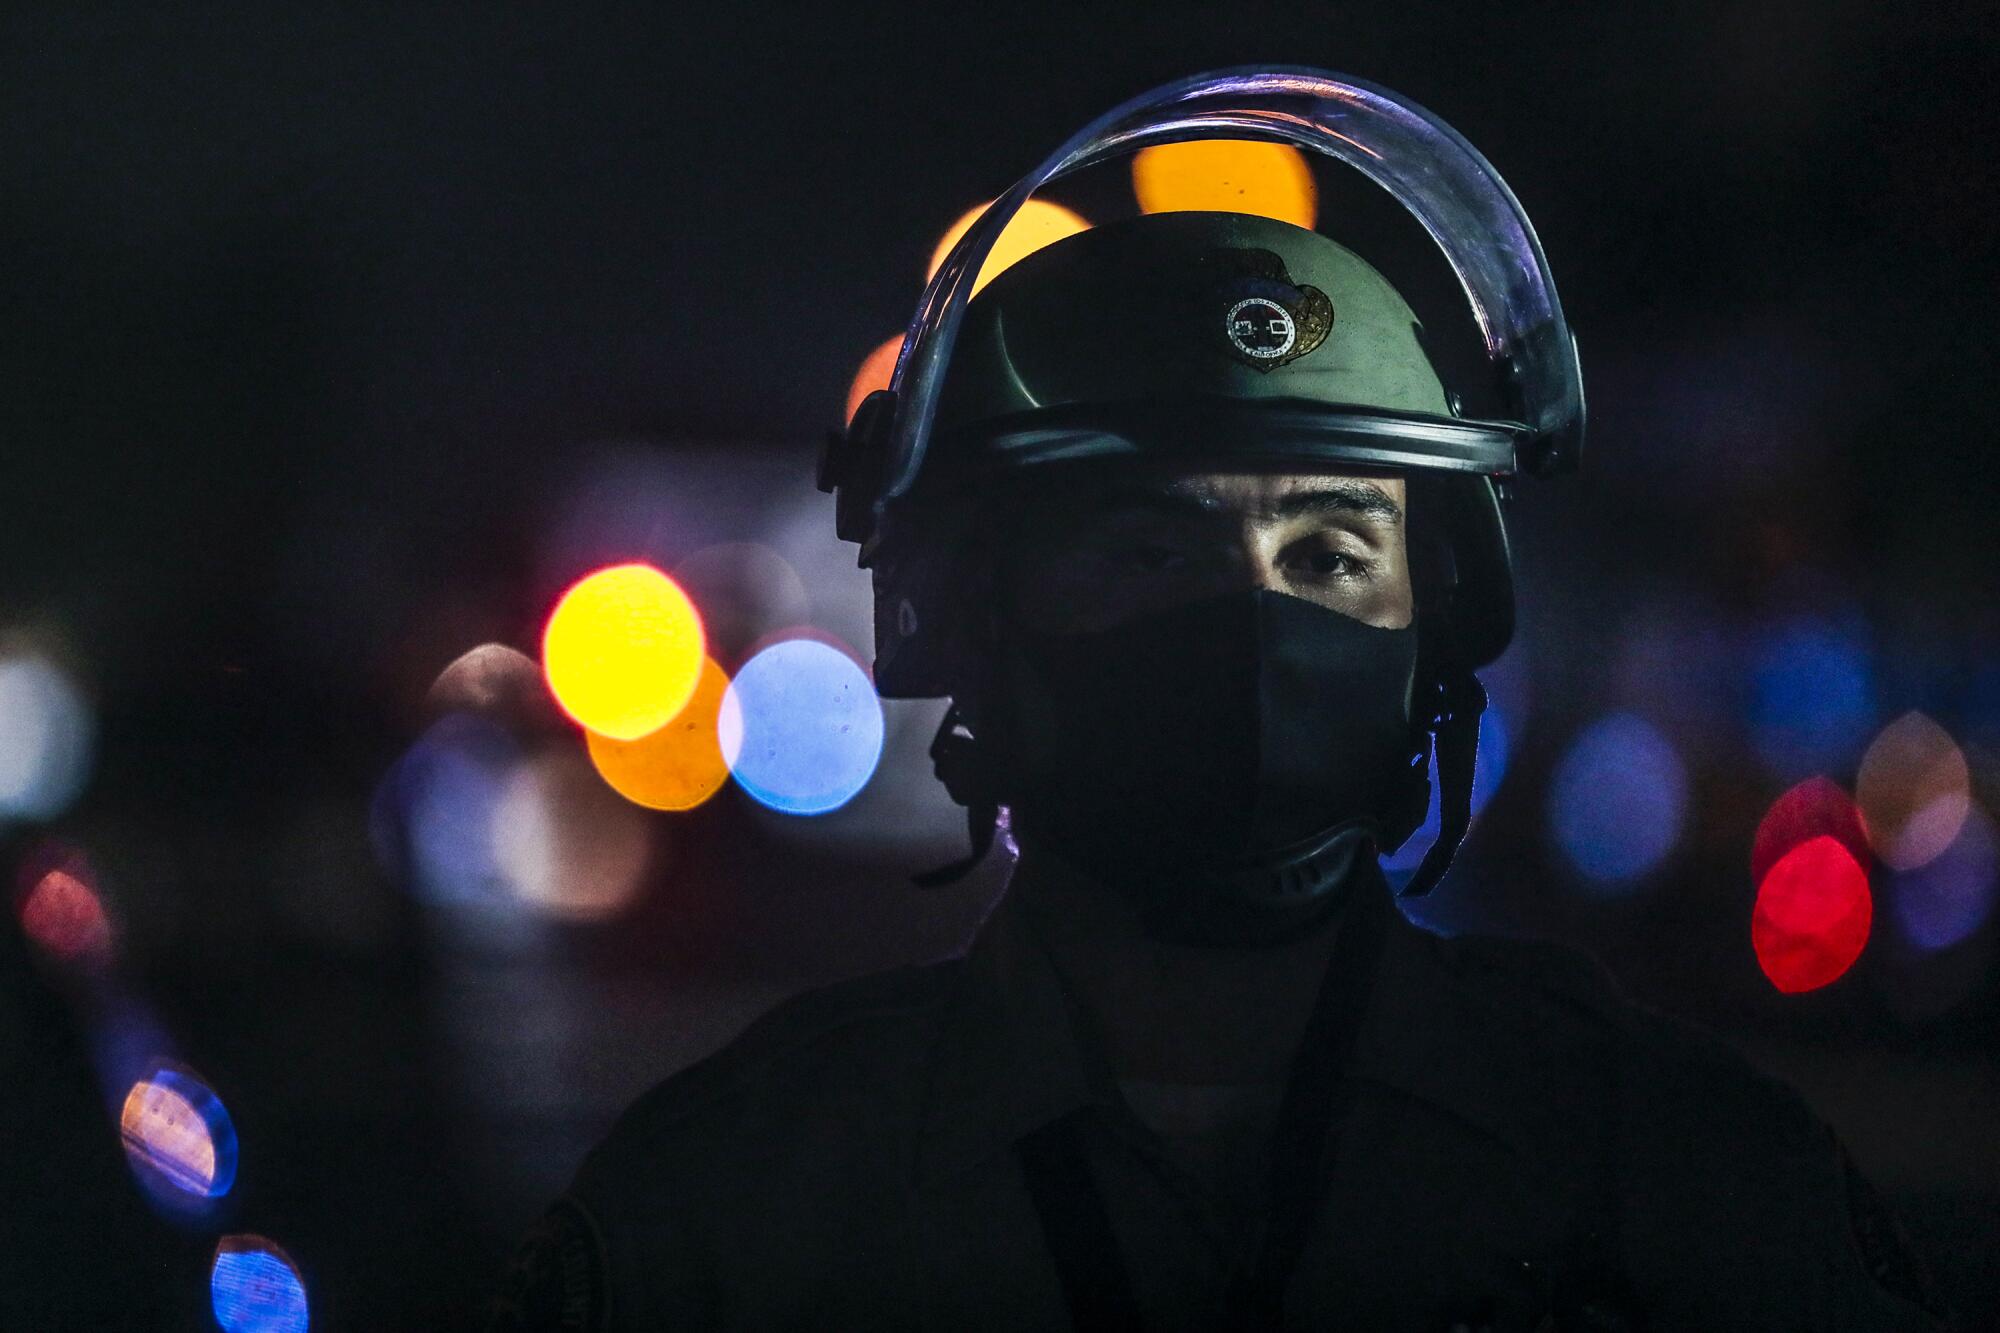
(1423, 163)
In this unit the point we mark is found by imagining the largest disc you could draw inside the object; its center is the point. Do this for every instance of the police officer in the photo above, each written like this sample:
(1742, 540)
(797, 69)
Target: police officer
(1180, 516)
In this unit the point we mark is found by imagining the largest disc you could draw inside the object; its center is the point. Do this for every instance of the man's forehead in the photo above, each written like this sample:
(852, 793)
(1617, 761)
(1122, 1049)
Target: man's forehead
(1267, 494)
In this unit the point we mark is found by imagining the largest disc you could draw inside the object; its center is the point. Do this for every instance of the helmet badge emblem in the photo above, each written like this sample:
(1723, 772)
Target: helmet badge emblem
(1261, 328)
(1268, 319)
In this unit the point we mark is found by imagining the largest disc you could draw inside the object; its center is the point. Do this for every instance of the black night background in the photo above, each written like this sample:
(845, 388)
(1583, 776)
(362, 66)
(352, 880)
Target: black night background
(340, 340)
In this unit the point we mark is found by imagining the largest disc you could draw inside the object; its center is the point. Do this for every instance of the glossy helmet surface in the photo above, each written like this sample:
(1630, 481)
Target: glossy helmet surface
(1218, 337)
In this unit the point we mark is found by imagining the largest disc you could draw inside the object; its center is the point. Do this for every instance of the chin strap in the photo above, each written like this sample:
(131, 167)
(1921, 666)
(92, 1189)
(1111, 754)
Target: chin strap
(1457, 757)
(961, 768)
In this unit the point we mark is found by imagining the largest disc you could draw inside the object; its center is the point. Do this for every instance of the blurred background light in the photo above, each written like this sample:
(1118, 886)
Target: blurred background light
(1913, 790)
(1671, 663)
(1038, 223)
(128, 1044)
(802, 730)
(254, 1287)
(1815, 808)
(1617, 800)
(877, 369)
(1746, 399)
(1812, 916)
(178, 1138)
(566, 845)
(46, 735)
(623, 650)
(1227, 176)
(1979, 706)
(1811, 695)
(745, 589)
(1486, 779)
(680, 765)
(61, 912)
(492, 680)
(1941, 903)
(434, 813)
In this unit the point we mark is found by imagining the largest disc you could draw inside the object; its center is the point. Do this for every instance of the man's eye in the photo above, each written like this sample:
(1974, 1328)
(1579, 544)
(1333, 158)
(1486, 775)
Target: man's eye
(1331, 562)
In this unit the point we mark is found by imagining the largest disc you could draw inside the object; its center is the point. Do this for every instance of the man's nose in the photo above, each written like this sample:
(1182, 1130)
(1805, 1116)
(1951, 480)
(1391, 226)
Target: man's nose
(1251, 566)
(1270, 578)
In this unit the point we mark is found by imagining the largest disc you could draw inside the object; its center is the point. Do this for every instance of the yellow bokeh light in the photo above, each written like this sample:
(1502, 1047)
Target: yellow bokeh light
(1039, 223)
(162, 1129)
(623, 651)
(1270, 180)
(680, 765)
(875, 373)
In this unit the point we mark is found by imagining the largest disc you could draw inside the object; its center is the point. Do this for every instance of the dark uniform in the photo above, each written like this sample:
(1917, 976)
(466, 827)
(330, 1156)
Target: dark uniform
(1519, 1148)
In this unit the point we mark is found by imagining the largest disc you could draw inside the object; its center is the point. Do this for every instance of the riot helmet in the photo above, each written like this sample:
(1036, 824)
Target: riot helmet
(1220, 338)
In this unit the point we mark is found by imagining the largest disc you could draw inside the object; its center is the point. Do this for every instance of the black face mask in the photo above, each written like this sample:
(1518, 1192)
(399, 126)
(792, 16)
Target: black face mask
(1225, 763)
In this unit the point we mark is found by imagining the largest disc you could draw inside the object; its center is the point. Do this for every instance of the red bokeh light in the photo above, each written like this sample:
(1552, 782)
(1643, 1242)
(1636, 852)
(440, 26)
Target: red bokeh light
(58, 905)
(1812, 915)
(1816, 808)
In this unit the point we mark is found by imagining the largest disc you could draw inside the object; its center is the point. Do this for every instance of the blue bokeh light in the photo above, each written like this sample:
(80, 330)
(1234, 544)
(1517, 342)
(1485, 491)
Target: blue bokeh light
(801, 727)
(1812, 696)
(1943, 902)
(253, 1288)
(1980, 707)
(1486, 779)
(128, 1043)
(433, 814)
(1617, 800)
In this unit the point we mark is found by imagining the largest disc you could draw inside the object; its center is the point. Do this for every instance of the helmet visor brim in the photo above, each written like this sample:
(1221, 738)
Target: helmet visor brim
(1221, 432)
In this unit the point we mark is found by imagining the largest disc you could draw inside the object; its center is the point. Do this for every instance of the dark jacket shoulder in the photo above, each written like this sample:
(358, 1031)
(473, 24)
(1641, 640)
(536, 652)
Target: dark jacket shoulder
(831, 1071)
(1541, 982)
(1555, 978)
(1731, 1202)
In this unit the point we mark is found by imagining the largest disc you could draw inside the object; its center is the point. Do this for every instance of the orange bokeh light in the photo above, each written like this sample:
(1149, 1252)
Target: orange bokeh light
(1039, 223)
(876, 371)
(1271, 180)
(164, 1131)
(623, 651)
(1812, 916)
(680, 765)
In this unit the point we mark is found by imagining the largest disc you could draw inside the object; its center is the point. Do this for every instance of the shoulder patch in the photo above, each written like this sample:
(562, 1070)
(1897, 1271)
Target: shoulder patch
(558, 1280)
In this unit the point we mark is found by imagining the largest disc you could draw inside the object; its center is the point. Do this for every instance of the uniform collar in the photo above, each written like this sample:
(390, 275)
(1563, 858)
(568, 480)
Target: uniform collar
(1484, 1045)
(1011, 1054)
(1014, 1052)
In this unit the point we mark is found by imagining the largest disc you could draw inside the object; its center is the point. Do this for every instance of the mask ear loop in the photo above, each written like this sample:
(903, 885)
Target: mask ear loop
(965, 773)
(1457, 757)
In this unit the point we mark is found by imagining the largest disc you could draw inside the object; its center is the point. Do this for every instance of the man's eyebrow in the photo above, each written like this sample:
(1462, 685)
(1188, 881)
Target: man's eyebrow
(1332, 497)
(1352, 497)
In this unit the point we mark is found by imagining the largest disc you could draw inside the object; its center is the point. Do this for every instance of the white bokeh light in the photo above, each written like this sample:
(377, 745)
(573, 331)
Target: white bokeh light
(46, 739)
